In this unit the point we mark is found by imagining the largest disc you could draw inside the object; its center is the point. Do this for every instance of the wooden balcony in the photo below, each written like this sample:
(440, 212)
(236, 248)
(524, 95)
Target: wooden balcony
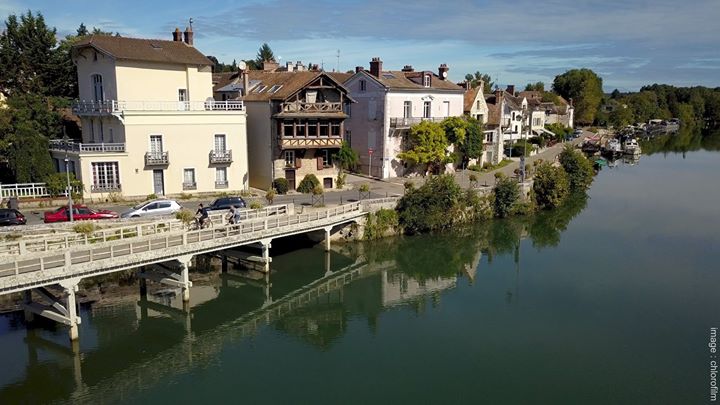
(310, 142)
(157, 159)
(301, 109)
(221, 156)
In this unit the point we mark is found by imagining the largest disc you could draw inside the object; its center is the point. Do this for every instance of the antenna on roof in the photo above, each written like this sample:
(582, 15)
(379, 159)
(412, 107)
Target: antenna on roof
(191, 21)
(338, 60)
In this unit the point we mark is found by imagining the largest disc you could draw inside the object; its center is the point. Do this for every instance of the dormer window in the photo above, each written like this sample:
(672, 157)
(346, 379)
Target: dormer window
(260, 89)
(426, 80)
(274, 89)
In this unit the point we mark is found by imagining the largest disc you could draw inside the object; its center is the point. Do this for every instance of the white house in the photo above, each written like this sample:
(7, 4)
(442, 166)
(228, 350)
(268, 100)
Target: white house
(387, 104)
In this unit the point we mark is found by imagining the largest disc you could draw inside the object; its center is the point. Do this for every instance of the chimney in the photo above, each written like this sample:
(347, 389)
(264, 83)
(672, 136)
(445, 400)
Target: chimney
(299, 67)
(245, 80)
(177, 35)
(359, 69)
(498, 96)
(289, 66)
(408, 68)
(511, 89)
(468, 85)
(375, 66)
(571, 101)
(270, 65)
(443, 71)
(188, 36)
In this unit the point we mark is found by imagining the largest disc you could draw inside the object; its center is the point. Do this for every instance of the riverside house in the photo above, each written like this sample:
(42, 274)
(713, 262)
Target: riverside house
(149, 122)
(388, 103)
(296, 121)
(477, 107)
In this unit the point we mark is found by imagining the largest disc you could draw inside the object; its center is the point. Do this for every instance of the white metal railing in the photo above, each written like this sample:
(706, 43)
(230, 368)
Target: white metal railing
(60, 145)
(29, 190)
(119, 106)
(126, 249)
(409, 121)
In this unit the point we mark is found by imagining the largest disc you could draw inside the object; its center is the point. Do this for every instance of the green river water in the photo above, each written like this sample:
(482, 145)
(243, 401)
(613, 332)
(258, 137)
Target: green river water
(609, 299)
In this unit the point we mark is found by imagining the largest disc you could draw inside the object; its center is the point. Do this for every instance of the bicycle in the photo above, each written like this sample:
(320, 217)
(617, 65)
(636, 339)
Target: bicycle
(208, 223)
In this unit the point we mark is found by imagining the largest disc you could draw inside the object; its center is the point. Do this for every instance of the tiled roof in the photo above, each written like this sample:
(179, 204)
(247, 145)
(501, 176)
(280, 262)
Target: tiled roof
(399, 80)
(289, 82)
(493, 110)
(340, 77)
(150, 50)
(469, 98)
(515, 103)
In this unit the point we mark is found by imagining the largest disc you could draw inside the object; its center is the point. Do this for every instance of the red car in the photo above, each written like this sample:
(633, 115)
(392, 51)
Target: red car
(80, 213)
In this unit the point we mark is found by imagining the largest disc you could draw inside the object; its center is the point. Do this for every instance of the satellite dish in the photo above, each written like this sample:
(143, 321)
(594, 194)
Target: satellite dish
(242, 65)
(444, 74)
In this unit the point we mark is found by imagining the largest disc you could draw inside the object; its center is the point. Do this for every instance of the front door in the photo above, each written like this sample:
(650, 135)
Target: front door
(290, 177)
(158, 182)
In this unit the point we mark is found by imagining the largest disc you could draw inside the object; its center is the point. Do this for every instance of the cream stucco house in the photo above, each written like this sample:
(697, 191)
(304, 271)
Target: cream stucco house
(149, 122)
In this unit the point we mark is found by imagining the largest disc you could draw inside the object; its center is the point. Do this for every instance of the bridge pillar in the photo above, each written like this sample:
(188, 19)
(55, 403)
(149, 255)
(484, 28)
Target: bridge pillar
(265, 245)
(185, 276)
(327, 238)
(224, 267)
(327, 264)
(27, 300)
(143, 283)
(70, 287)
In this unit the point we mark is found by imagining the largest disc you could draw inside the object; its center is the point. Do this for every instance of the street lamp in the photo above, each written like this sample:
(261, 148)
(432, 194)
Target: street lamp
(67, 173)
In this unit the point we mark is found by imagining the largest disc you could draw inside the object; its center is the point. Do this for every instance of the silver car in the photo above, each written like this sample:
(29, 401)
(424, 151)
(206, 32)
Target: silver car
(152, 208)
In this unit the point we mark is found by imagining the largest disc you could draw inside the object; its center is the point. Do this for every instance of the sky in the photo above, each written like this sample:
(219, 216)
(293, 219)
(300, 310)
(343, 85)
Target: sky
(629, 43)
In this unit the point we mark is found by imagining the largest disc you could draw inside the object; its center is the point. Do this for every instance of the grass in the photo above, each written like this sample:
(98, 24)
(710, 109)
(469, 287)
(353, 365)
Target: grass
(488, 169)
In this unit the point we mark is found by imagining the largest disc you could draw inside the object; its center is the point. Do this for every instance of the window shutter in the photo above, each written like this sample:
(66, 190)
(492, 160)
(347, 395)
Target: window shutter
(298, 162)
(320, 163)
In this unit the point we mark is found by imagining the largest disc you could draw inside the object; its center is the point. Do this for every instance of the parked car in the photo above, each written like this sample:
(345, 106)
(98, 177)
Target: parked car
(9, 217)
(152, 208)
(80, 213)
(224, 203)
(577, 133)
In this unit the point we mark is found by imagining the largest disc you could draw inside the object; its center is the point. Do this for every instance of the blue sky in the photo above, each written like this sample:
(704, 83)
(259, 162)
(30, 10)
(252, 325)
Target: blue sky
(629, 43)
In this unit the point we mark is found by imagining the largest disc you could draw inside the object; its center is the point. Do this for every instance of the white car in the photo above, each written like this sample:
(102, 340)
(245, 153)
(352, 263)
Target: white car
(152, 208)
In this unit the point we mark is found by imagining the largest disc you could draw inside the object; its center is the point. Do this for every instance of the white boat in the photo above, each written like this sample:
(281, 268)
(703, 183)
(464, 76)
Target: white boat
(631, 147)
(613, 147)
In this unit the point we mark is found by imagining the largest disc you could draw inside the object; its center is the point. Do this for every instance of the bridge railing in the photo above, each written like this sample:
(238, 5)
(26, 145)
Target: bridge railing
(115, 249)
(125, 231)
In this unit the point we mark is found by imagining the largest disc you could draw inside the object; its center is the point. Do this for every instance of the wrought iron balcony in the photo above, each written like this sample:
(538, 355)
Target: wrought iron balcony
(118, 107)
(189, 186)
(407, 122)
(105, 188)
(221, 184)
(220, 156)
(157, 159)
(62, 146)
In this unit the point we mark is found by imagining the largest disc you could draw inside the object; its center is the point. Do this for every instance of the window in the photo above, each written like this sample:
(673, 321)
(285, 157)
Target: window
(324, 128)
(446, 108)
(326, 157)
(388, 75)
(98, 92)
(300, 129)
(363, 85)
(312, 128)
(189, 179)
(481, 118)
(260, 89)
(348, 136)
(274, 89)
(287, 128)
(536, 121)
(290, 158)
(489, 137)
(182, 95)
(102, 132)
(427, 109)
(407, 109)
(477, 104)
(220, 145)
(221, 177)
(335, 128)
(156, 146)
(426, 80)
(106, 176)
(112, 138)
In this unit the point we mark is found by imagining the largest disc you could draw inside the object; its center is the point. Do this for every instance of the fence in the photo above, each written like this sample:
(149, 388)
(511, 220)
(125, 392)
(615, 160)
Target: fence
(29, 190)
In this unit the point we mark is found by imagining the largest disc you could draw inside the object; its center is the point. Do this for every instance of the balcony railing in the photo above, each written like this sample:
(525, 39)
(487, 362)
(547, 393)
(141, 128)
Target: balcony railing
(311, 142)
(117, 107)
(410, 121)
(60, 145)
(105, 188)
(190, 186)
(302, 107)
(157, 159)
(220, 156)
(221, 184)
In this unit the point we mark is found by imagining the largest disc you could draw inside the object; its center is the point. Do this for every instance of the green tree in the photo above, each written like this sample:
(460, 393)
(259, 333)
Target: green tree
(455, 129)
(505, 195)
(309, 183)
(538, 86)
(476, 78)
(472, 147)
(346, 157)
(427, 146)
(621, 116)
(578, 168)
(264, 53)
(585, 88)
(550, 185)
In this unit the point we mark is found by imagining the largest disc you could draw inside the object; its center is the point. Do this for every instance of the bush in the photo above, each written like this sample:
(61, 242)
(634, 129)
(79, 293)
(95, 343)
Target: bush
(152, 196)
(185, 216)
(522, 148)
(308, 184)
(379, 223)
(85, 228)
(473, 177)
(409, 186)
(551, 185)
(318, 190)
(340, 181)
(116, 197)
(505, 194)
(578, 168)
(270, 196)
(56, 184)
(185, 196)
(255, 205)
(364, 188)
(281, 185)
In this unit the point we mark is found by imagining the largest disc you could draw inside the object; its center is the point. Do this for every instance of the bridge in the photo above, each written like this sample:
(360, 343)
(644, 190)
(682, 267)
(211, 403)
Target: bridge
(60, 263)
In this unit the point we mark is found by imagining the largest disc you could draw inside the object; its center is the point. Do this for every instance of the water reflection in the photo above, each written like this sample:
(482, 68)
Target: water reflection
(689, 138)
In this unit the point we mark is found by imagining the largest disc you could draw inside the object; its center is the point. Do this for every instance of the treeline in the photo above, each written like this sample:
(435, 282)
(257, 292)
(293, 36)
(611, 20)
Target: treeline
(38, 80)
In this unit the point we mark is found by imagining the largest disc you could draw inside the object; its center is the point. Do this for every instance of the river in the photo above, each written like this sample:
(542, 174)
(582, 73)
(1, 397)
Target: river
(609, 299)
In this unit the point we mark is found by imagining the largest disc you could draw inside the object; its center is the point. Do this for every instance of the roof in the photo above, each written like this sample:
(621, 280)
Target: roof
(493, 110)
(515, 103)
(469, 98)
(149, 50)
(340, 77)
(399, 80)
(288, 83)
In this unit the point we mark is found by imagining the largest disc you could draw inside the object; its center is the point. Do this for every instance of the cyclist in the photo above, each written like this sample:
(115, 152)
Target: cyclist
(202, 215)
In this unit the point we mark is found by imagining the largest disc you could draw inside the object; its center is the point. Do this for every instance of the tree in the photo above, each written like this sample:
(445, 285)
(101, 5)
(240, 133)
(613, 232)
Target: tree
(615, 94)
(505, 194)
(578, 168)
(346, 157)
(477, 77)
(455, 129)
(427, 145)
(621, 116)
(264, 54)
(27, 55)
(550, 185)
(472, 147)
(585, 88)
(81, 31)
(538, 86)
